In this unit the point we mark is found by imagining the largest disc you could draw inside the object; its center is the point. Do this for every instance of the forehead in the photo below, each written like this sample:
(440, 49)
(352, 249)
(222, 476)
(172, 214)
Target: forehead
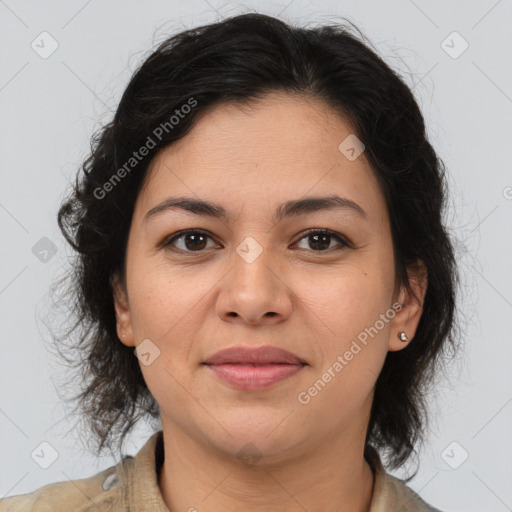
(280, 147)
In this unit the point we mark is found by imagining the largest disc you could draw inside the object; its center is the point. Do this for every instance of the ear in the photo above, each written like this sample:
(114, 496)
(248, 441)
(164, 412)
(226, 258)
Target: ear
(407, 319)
(122, 308)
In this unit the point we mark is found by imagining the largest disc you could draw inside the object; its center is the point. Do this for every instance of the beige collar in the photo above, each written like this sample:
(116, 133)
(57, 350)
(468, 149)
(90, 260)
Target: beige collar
(140, 481)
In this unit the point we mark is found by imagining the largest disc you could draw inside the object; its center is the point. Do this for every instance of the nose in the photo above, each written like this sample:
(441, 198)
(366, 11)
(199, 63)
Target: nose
(254, 291)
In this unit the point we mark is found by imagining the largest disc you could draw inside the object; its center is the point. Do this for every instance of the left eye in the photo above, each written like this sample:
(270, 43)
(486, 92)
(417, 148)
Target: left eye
(196, 240)
(322, 238)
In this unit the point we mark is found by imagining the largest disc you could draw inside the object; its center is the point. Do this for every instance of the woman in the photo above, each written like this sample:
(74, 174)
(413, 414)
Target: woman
(261, 225)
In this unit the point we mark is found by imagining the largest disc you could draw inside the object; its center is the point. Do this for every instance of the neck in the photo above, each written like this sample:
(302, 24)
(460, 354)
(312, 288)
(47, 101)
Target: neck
(198, 477)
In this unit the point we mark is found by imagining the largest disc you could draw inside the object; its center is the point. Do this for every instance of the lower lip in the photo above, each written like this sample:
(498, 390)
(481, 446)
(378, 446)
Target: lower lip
(248, 377)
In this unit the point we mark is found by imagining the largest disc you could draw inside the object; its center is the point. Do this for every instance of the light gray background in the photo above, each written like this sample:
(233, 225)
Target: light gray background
(50, 107)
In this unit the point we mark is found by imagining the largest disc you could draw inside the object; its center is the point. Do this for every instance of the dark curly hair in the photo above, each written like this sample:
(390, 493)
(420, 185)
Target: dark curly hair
(240, 59)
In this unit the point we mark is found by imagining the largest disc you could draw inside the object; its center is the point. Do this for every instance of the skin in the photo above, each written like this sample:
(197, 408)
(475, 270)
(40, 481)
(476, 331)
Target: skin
(191, 304)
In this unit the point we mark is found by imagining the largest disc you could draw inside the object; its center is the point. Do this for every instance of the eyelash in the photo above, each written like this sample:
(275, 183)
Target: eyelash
(345, 243)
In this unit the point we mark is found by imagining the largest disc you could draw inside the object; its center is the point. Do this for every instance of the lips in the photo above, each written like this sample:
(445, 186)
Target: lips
(259, 355)
(251, 369)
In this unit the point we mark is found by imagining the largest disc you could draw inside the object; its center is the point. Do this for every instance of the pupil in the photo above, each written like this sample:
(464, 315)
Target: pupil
(324, 238)
(198, 241)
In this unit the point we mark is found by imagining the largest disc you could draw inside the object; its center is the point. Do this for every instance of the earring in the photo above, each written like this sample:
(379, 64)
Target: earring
(402, 336)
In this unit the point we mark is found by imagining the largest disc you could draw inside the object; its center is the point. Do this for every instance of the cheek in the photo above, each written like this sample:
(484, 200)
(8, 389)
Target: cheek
(161, 299)
(346, 302)
(354, 346)
(168, 308)
(162, 309)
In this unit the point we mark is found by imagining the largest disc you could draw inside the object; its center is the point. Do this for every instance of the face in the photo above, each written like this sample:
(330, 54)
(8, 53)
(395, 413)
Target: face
(254, 278)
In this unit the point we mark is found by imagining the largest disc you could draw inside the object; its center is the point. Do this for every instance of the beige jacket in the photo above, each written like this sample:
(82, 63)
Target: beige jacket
(132, 486)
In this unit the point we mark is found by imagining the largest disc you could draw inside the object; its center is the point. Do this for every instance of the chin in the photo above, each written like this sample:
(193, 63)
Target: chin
(265, 435)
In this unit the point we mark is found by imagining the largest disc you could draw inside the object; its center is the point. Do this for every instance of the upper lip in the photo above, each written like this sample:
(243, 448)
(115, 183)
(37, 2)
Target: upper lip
(254, 355)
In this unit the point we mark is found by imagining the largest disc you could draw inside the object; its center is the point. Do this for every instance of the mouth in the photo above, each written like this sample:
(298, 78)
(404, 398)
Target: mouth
(247, 368)
(249, 377)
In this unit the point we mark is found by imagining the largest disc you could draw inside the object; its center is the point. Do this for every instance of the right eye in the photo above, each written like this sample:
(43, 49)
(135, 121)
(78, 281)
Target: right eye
(192, 240)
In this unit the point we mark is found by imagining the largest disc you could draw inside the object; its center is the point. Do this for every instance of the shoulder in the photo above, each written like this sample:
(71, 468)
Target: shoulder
(100, 492)
(126, 486)
(391, 493)
(398, 492)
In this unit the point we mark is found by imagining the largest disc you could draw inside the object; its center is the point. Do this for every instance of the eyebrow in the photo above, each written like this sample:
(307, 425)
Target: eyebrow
(288, 209)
